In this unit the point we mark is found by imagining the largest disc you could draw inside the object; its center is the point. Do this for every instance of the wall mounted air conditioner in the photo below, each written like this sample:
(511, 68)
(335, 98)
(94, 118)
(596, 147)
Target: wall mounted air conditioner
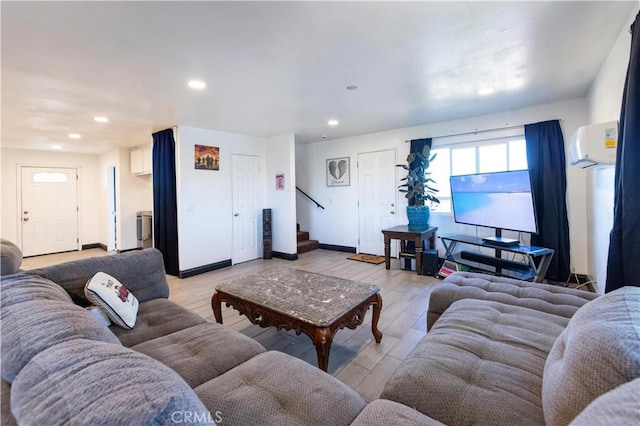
(594, 145)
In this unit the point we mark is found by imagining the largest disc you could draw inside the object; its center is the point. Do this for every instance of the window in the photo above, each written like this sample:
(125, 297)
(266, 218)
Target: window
(49, 177)
(494, 155)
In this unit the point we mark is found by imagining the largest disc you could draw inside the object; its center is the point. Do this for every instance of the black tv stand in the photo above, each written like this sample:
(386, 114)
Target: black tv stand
(527, 270)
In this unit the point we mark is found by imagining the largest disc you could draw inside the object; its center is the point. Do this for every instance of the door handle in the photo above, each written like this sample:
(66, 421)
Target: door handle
(26, 219)
(25, 212)
(392, 212)
(393, 205)
(237, 214)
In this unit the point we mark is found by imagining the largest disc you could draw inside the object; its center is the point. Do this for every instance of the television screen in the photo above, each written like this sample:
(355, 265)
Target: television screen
(497, 200)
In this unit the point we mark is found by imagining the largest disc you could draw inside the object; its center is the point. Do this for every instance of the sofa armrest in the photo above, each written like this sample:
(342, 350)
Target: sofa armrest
(548, 298)
(141, 271)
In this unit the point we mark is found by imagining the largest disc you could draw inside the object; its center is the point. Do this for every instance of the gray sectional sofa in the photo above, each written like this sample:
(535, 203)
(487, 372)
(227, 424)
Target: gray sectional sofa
(496, 353)
(60, 365)
(503, 352)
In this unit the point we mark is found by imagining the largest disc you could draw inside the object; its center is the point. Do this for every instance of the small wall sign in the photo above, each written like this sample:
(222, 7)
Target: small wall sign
(280, 181)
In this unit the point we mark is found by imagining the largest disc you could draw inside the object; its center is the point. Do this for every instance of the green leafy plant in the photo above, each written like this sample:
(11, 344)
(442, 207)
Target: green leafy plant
(418, 183)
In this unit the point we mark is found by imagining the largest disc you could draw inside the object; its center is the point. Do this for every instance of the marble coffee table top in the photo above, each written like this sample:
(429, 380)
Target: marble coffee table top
(314, 298)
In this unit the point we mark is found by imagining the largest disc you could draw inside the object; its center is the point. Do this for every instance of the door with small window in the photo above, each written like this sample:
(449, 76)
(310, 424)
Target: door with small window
(48, 210)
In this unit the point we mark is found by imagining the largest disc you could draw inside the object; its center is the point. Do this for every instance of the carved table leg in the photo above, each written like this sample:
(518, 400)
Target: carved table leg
(419, 255)
(387, 252)
(322, 340)
(216, 305)
(377, 308)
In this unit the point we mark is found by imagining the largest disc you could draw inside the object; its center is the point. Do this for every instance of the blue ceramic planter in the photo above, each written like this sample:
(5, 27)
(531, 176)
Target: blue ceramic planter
(418, 217)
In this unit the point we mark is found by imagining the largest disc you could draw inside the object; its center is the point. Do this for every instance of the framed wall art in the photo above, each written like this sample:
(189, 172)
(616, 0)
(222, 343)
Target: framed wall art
(207, 157)
(338, 172)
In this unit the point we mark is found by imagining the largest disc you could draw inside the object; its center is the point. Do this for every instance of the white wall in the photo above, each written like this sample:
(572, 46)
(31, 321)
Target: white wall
(205, 216)
(338, 224)
(281, 159)
(88, 185)
(604, 101)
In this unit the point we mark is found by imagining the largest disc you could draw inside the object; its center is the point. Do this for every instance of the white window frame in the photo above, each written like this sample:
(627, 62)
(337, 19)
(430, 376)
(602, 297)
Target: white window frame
(475, 140)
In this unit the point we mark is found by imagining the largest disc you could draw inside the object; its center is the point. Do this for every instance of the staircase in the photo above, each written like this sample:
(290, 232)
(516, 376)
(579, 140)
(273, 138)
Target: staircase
(304, 243)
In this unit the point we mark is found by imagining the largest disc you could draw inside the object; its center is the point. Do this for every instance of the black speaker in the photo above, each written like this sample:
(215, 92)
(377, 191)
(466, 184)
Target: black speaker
(430, 262)
(267, 249)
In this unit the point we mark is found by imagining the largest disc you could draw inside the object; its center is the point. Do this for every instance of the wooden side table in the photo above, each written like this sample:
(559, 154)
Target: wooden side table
(402, 232)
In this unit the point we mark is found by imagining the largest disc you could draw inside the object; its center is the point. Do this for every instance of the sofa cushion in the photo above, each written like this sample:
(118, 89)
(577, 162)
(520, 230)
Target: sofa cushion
(276, 389)
(31, 327)
(385, 412)
(598, 351)
(202, 352)
(620, 406)
(10, 257)
(157, 317)
(111, 295)
(542, 297)
(141, 271)
(481, 363)
(85, 382)
(23, 287)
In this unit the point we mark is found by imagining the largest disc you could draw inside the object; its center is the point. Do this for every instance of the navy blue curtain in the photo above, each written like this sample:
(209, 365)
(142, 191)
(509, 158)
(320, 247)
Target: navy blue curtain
(623, 266)
(165, 207)
(547, 167)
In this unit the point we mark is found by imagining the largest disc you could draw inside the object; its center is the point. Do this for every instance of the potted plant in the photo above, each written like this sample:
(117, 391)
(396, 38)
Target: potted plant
(417, 187)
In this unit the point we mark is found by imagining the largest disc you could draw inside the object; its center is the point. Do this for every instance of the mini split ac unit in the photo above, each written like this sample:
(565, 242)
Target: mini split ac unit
(594, 145)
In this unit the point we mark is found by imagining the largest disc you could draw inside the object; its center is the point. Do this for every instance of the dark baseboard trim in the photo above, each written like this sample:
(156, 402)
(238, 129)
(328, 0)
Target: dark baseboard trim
(285, 256)
(345, 249)
(202, 269)
(126, 250)
(94, 245)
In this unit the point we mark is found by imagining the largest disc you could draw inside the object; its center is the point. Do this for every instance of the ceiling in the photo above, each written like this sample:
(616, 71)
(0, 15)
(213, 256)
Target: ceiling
(274, 68)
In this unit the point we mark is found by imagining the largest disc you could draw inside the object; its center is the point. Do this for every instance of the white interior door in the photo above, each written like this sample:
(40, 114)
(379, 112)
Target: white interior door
(49, 215)
(376, 199)
(247, 207)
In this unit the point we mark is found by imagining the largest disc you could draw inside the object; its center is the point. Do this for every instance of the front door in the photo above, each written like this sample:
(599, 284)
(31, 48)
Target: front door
(49, 210)
(247, 207)
(376, 199)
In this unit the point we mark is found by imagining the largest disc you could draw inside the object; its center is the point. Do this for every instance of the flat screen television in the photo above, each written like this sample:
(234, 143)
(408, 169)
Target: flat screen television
(501, 200)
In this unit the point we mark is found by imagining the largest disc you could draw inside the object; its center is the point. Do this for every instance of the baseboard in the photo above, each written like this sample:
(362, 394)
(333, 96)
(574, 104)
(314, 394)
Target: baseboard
(205, 268)
(126, 250)
(338, 248)
(285, 256)
(94, 245)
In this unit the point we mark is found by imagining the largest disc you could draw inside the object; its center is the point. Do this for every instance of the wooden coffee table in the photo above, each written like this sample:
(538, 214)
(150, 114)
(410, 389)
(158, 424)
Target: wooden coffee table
(314, 304)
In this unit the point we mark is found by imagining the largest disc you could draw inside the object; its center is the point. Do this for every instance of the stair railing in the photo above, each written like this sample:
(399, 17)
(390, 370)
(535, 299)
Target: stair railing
(307, 195)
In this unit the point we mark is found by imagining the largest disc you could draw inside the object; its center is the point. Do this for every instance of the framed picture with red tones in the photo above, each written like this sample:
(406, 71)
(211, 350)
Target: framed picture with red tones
(207, 157)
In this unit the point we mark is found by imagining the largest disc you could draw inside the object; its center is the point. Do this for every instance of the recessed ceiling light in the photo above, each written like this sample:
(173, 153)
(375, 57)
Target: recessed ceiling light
(332, 122)
(197, 84)
(101, 119)
(74, 135)
(56, 146)
(486, 91)
(352, 87)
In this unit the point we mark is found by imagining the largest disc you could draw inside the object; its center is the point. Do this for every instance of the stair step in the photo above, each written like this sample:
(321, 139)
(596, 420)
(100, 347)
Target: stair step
(302, 235)
(307, 245)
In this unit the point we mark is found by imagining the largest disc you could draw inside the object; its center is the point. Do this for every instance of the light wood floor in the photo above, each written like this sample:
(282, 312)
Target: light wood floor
(355, 358)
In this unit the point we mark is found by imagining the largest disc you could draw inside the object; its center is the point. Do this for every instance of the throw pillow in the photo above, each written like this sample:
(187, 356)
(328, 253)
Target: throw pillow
(107, 292)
